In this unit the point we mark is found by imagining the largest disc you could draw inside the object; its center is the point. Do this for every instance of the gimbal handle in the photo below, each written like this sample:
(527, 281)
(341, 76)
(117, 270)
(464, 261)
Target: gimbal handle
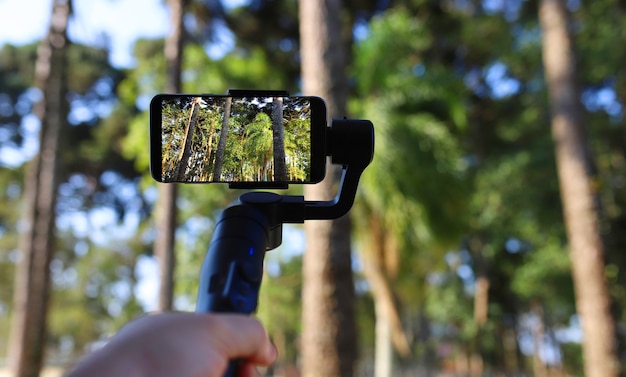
(231, 273)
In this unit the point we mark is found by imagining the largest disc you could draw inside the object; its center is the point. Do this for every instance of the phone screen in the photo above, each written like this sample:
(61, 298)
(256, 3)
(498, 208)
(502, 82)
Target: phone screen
(219, 138)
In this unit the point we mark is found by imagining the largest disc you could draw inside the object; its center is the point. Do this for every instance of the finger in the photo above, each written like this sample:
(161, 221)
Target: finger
(244, 337)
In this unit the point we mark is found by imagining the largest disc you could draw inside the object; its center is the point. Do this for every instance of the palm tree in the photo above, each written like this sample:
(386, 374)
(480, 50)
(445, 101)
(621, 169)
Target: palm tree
(411, 195)
(408, 209)
(258, 146)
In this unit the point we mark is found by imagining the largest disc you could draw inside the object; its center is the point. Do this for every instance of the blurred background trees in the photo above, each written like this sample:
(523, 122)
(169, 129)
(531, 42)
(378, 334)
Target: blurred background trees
(459, 249)
(32, 289)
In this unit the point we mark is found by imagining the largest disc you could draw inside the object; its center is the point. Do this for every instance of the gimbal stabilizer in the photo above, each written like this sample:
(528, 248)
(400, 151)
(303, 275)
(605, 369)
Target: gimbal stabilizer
(233, 267)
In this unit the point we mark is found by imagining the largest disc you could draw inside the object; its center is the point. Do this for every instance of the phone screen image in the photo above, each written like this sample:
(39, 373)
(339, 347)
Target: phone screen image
(236, 139)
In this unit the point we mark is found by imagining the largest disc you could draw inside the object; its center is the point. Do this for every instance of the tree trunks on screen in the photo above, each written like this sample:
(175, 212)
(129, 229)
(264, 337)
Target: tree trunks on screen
(165, 211)
(578, 194)
(221, 146)
(183, 159)
(329, 333)
(32, 289)
(278, 141)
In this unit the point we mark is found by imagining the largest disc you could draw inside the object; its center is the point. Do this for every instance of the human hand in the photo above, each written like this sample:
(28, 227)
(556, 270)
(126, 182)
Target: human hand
(182, 345)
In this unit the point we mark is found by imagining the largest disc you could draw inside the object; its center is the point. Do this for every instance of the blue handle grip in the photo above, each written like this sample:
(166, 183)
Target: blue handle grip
(232, 270)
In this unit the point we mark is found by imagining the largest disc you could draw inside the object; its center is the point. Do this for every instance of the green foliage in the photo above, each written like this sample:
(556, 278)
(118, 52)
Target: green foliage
(257, 144)
(417, 181)
(18, 68)
(544, 275)
(450, 305)
(247, 69)
(392, 50)
(418, 157)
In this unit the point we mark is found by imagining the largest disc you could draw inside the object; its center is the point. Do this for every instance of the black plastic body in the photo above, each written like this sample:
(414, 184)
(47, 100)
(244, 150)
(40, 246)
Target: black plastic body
(233, 266)
(318, 126)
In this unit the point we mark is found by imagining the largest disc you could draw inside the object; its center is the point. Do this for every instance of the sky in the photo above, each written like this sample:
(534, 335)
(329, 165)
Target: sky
(121, 21)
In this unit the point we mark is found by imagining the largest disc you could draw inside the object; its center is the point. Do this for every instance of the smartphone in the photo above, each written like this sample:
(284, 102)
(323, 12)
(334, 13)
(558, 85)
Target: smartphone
(200, 138)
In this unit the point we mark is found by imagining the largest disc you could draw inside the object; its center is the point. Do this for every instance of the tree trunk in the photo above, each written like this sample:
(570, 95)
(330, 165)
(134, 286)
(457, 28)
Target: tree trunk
(165, 210)
(383, 347)
(221, 146)
(185, 151)
(540, 368)
(278, 139)
(32, 289)
(380, 269)
(581, 213)
(329, 333)
(510, 351)
(481, 307)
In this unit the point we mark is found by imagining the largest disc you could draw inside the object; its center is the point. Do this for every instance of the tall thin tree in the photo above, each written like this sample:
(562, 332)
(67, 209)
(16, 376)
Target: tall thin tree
(221, 146)
(185, 151)
(278, 137)
(166, 213)
(580, 203)
(329, 335)
(32, 289)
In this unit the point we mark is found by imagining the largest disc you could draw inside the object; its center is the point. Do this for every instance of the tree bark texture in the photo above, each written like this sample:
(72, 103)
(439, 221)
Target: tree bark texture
(329, 331)
(579, 198)
(278, 141)
(166, 213)
(221, 146)
(183, 160)
(32, 290)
